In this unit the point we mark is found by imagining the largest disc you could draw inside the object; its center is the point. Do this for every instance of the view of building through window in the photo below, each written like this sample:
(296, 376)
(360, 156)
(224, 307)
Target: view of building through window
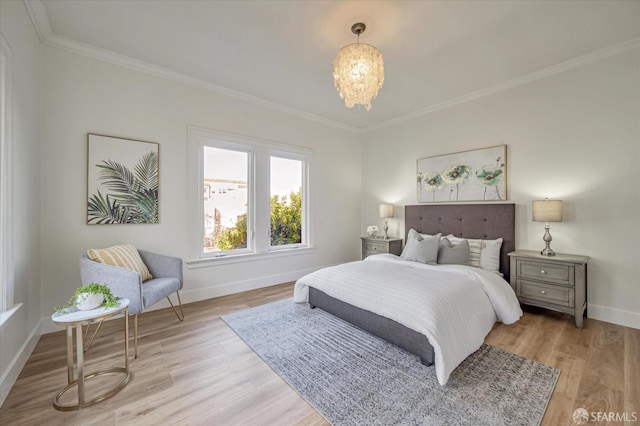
(226, 173)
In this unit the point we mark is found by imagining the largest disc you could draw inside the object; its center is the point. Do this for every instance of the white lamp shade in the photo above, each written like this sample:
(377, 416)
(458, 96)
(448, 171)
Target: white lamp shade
(385, 210)
(547, 210)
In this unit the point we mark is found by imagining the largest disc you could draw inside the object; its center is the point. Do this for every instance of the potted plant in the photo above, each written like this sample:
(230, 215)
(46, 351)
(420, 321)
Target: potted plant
(91, 296)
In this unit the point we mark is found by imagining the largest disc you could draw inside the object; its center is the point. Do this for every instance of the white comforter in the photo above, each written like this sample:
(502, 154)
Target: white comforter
(454, 306)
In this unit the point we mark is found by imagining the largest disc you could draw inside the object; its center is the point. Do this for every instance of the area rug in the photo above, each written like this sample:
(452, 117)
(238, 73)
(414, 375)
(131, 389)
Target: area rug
(354, 378)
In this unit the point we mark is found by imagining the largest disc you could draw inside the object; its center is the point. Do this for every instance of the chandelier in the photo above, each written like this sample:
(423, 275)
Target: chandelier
(358, 71)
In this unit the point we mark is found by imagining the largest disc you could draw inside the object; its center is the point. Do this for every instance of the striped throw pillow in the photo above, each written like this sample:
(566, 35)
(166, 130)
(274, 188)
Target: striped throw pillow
(124, 256)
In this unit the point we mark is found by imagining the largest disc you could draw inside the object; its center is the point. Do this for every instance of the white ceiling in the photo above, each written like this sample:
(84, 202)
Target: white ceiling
(282, 51)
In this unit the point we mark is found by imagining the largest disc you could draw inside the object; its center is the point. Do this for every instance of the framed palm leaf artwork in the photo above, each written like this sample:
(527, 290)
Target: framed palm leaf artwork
(476, 175)
(122, 181)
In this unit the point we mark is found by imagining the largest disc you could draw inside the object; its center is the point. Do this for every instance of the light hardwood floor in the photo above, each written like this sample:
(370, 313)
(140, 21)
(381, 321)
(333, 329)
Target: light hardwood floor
(199, 372)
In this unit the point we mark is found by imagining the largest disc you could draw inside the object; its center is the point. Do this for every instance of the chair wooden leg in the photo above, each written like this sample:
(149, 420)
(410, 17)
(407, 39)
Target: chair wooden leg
(181, 314)
(135, 335)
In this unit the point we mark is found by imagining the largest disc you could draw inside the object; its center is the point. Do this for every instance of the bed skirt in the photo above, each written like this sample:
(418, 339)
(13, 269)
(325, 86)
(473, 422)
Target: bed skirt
(391, 331)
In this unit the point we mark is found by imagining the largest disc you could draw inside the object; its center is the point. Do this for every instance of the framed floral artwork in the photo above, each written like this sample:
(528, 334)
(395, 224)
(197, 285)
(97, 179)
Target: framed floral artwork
(476, 175)
(122, 181)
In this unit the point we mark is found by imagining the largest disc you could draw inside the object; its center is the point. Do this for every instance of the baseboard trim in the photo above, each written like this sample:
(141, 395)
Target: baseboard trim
(18, 362)
(615, 316)
(196, 295)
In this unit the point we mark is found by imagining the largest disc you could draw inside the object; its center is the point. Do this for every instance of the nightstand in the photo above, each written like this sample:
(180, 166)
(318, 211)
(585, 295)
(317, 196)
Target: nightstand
(379, 245)
(554, 282)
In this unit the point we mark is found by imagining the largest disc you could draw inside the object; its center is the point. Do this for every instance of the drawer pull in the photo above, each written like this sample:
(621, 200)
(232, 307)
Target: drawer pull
(375, 249)
(543, 272)
(543, 292)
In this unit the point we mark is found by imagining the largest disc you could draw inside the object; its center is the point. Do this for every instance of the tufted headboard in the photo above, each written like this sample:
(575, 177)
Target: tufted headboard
(486, 221)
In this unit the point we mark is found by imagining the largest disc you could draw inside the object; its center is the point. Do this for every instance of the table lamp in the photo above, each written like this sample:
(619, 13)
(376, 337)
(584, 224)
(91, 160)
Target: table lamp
(386, 211)
(547, 211)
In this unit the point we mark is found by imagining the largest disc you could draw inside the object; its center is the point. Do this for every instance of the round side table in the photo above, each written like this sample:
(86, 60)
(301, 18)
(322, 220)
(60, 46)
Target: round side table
(78, 319)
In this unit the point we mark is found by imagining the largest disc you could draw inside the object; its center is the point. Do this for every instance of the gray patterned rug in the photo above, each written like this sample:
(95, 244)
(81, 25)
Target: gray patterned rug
(354, 378)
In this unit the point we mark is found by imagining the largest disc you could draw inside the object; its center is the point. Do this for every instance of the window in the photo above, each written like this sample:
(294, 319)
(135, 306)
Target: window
(287, 221)
(226, 199)
(249, 197)
(6, 264)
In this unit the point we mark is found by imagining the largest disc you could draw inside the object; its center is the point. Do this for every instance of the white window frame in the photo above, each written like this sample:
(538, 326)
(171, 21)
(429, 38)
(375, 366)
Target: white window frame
(259, 195)
(7, 307)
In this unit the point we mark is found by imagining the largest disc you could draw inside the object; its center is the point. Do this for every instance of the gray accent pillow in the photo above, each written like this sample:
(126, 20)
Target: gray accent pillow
(448, 254)
(419, 249)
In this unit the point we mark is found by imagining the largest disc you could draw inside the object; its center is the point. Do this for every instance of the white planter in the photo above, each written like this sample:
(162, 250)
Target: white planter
(88, 301)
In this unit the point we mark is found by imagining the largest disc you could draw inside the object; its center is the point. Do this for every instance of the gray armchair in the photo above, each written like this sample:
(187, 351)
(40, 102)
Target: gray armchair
(167, 279)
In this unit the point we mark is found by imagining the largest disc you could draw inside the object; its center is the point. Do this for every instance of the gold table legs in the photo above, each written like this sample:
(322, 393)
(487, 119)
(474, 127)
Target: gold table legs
(80, 382)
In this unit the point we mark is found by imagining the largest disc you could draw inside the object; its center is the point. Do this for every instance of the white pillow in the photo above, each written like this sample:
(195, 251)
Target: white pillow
(490, 255)
(419, 249)
(483, 254)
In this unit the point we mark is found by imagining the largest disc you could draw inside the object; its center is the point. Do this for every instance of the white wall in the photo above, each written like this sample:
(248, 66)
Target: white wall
(573, 136)
(83, 95)
(20, 333)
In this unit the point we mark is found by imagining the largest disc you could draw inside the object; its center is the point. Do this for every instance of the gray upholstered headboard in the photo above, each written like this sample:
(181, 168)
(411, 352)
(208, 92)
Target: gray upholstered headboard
(486, 221)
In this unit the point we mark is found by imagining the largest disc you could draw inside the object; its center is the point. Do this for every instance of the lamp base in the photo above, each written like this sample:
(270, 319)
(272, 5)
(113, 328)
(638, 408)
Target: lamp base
(547, 251)
(386, 228)
(547, 240)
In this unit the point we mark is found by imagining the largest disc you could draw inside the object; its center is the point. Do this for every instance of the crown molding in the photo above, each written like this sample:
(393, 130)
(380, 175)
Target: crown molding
(109, 56)
(41, 24)
(514, 82)
(39, 18)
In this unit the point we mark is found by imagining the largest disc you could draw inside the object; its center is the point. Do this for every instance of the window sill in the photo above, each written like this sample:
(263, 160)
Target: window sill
(251, 257)
(4, 316)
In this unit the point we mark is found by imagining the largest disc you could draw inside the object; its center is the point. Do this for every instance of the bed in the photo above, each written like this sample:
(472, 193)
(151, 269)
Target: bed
(478, 221)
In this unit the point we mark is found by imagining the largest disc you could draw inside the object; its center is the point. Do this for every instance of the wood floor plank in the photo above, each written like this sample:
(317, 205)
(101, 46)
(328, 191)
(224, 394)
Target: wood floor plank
(631, 369)
(200, 372)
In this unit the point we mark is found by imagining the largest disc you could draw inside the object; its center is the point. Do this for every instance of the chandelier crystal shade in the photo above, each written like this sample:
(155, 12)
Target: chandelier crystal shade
(358, 72)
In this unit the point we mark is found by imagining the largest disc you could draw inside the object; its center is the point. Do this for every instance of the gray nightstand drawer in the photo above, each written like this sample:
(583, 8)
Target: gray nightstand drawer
(546, 293)
(375, 247)
(557, 273)
(371, 246)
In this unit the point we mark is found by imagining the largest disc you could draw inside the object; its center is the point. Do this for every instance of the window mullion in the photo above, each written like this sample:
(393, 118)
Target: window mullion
(262, 203)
